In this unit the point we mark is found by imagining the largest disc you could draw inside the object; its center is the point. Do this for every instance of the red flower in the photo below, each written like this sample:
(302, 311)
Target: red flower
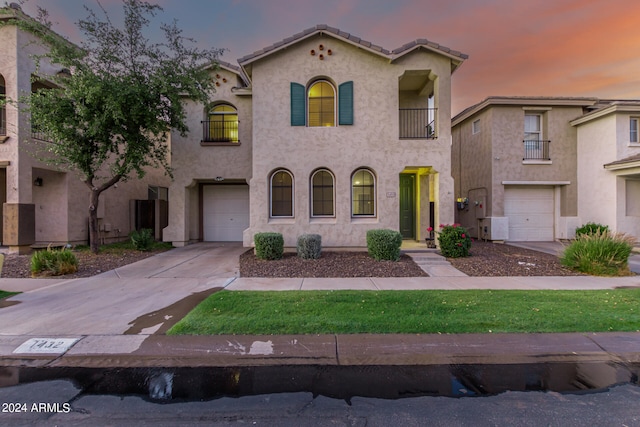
(459, 244)
(464, 235)
(430, 229)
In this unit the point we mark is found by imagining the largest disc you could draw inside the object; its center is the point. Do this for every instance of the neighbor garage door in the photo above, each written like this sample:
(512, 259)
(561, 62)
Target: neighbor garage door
(225, 212)
(530, 211)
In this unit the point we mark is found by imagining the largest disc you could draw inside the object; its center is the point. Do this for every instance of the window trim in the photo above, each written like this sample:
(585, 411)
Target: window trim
(374, 192)
(273, 174)
(335, 106)
(311, 193)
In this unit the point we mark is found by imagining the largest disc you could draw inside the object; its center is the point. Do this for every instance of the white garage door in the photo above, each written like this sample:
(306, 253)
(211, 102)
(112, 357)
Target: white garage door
(225, 212)
(530, 212)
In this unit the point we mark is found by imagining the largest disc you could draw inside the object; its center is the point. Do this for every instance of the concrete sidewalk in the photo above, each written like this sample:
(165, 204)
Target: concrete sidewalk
(117, 319)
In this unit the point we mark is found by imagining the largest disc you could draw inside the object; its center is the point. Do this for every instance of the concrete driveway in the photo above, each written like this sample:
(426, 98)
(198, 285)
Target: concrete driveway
(556, 248)
(112, 303)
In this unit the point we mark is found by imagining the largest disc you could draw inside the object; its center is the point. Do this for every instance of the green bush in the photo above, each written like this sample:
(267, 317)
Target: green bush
(591, 228)
(53, 262)
(269, 245)
(143, 239)
(309, 246)
(454, 240)
(384, 244)
(599, 254)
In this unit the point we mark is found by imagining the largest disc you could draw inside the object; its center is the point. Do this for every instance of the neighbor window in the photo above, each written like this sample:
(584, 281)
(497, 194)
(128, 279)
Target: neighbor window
(475, 126)
(363, 193)
(3, 114)
(322, 194)
(633, 130)
(281, 194)
(222, 124)
(321, 99)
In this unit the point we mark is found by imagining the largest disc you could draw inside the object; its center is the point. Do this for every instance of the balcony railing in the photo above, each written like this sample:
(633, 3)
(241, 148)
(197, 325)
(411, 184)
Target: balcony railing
(418, 123)
(219, 131)
(536, 150)
(3, 121)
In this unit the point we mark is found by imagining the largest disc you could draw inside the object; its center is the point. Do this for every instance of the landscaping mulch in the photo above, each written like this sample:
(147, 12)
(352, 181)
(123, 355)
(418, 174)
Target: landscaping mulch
(330, 264)
(499, 259)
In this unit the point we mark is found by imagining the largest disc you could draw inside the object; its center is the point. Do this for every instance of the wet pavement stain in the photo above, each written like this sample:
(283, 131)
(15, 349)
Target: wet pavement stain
(4, 303)
(168, 316)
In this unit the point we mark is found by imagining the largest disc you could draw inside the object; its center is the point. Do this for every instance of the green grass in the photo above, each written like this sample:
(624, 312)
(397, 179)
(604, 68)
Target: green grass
(413, 312)
(5, 294)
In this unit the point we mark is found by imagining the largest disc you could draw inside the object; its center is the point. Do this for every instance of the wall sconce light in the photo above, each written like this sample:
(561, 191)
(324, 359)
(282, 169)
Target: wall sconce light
(219, 178)
(37, 182)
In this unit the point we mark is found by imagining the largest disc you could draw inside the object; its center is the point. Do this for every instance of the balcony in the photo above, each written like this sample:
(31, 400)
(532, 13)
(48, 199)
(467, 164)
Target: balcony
(219, 131)
(418, 123)
(536, 150)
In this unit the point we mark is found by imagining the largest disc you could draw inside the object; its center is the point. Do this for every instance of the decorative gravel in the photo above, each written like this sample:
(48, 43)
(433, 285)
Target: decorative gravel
(330, 264)
(497, 259)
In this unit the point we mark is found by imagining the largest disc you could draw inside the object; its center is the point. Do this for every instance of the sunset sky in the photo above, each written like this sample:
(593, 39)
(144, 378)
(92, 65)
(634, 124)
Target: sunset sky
(515, 47)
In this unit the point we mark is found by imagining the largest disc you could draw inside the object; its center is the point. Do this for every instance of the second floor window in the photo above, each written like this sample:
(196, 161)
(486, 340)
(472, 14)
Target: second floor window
(3, 114)
(222, 125)
(532, 128)
(321, 100)
(633, 130)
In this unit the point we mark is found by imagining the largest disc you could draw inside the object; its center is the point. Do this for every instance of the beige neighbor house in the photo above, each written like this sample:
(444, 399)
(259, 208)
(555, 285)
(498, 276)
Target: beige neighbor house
(42, 205)
(535, 168)
(319, 133)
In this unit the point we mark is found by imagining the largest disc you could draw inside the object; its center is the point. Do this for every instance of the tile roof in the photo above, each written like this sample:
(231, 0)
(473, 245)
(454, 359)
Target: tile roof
(630, 159)
(355, 40)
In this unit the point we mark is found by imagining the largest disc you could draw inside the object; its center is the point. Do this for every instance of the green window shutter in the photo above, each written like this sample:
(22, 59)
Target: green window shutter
(345, 103)
(298, 110)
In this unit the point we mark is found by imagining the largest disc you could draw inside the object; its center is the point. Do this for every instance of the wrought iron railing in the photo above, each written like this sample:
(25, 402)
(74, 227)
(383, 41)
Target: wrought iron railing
(3, 121)
(418, 123)
(219, 131)
(536, 149)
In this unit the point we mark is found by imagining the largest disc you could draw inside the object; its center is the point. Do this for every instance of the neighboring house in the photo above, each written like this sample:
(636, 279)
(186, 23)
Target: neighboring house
(535, 168)
(609, 166)
(40, 204)
(320, 133)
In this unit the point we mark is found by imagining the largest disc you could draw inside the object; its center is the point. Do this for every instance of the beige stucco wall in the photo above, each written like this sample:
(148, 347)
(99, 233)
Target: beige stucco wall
(372, 142)
(597, 193)
(604, 197)
(194, 163)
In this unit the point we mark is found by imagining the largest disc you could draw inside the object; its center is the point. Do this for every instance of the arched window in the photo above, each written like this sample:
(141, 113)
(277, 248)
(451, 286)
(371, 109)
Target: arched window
(3, 113)
(222, 125)
(281, 189)
(363, 193)
(322, 106)
(322, 194)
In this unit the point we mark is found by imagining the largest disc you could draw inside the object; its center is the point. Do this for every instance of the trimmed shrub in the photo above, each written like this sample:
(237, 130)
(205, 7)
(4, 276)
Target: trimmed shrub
(384, 244)
(454, 240)
(309, 246)
(53, 263)
(269, 245)
(591, 228)
(599, 254)
(143, 239)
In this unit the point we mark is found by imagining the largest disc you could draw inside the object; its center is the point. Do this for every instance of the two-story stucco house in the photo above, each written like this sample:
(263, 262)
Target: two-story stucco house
(41, 204)
(609, 166)
(535, 168)
(319, 133)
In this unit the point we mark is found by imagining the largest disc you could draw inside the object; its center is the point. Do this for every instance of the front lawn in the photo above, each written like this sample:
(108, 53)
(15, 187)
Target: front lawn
(5, 294)
(413, 312)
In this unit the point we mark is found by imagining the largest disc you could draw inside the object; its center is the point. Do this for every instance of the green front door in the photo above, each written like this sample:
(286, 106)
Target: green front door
(408, 206)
